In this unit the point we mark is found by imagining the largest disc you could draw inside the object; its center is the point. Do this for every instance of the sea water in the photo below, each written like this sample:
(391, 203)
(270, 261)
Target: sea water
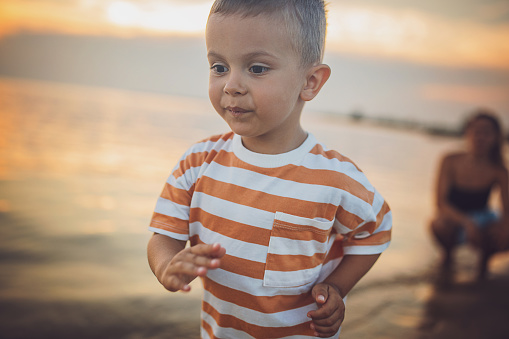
(81, 169)
(90, 162)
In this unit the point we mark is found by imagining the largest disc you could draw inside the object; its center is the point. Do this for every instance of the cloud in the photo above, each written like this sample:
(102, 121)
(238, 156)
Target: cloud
(418, 37)
(477, 10)
(51, 16)
(497, 11)
(160, 16)
(475, 95)
(104, 17)
(456, 33)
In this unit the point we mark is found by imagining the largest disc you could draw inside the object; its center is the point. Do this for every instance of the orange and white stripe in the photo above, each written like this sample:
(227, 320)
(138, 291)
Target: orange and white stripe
(285, 221)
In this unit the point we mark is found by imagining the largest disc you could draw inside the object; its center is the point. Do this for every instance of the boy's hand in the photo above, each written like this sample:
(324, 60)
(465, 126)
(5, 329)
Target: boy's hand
(189, 263)
(331, 310)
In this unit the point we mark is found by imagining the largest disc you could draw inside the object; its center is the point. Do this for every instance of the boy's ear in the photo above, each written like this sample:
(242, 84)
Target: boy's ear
(316, 78)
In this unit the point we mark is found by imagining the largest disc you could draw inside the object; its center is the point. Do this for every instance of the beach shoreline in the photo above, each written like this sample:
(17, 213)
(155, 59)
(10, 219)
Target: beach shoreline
(79, 177)
(43, 296)
(422, 306)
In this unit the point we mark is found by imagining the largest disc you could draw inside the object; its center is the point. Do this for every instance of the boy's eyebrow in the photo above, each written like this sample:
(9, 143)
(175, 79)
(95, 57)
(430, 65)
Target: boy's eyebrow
(250, 55)
(213, 55)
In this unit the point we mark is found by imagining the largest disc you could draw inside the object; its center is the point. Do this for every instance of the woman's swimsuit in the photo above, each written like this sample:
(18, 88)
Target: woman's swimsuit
(474, 203)
(469, 200)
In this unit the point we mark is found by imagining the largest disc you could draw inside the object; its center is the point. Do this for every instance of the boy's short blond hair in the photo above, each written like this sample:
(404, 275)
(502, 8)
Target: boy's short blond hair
(305, 21)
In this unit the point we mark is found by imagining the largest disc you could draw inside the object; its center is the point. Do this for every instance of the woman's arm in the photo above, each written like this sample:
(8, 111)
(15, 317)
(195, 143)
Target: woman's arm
(448, 212)
(504, 193)
(500, 232)
(444, 183)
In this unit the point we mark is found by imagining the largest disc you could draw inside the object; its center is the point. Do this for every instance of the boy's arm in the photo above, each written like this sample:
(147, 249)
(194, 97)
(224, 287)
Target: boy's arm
(160, 250)
(351, 269)
(175, 266)
(330, 293)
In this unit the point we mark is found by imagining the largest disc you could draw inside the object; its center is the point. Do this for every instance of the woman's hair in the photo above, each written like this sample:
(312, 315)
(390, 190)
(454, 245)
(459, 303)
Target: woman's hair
(496, 154)
(305, 21)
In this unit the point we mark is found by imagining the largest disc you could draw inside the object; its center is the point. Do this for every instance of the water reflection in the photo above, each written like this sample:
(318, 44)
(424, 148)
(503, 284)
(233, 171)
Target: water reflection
(80, 170)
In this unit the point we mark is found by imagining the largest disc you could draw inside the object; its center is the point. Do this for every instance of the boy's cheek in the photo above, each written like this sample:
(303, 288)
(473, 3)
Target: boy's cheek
(215, 97)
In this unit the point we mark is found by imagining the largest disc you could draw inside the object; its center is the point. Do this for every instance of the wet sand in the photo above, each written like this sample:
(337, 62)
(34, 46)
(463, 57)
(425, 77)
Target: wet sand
(110, 318)
(64, 282)
(423, 307)
(79, 285)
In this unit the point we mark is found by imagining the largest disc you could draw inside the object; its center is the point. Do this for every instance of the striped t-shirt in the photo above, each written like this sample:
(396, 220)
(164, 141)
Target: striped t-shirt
(285, 221)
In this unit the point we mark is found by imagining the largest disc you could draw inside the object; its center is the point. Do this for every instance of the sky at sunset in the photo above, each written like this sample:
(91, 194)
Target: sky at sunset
(453, 35)
(411, 30)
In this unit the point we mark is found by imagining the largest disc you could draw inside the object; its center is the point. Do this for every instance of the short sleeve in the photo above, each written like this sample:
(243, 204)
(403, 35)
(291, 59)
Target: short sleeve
(171, 214)
(368, 224)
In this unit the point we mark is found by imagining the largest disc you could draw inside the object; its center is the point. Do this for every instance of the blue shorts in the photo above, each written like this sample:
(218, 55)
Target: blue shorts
(482, 219)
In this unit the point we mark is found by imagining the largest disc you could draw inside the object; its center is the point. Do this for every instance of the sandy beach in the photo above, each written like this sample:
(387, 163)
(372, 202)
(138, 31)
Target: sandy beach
(99, 286)
(416, 307)
(81, 169)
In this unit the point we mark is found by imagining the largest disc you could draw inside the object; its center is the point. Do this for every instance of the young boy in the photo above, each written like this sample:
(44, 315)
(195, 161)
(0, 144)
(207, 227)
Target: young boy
(280, 228)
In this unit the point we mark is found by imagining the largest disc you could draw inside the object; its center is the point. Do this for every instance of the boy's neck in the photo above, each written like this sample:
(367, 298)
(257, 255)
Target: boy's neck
(275, 144)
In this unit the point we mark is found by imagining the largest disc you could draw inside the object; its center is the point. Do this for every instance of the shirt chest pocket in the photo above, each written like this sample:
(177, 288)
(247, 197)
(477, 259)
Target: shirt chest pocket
(297, 249)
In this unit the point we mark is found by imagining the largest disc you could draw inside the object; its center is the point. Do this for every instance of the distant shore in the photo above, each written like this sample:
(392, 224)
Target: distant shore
(436, 129)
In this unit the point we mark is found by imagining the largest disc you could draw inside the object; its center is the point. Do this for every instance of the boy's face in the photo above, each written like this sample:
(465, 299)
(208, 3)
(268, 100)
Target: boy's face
(256, 78)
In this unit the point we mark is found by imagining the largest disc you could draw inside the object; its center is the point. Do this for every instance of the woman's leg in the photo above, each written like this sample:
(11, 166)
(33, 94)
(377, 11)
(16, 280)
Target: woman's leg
(446, 233)
(495, 238)
(488, 248)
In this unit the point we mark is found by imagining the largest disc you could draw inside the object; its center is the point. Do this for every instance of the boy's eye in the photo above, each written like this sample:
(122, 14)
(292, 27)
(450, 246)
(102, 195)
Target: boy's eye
(257, 69)
(219, 69)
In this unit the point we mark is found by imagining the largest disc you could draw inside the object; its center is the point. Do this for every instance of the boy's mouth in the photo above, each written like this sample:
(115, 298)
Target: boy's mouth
(236, 111)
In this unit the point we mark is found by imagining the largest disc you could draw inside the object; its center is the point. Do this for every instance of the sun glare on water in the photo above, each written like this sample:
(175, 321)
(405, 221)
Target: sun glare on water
(159, 16)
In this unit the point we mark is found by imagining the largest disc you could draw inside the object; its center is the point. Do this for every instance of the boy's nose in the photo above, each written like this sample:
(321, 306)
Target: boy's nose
(234, 86)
